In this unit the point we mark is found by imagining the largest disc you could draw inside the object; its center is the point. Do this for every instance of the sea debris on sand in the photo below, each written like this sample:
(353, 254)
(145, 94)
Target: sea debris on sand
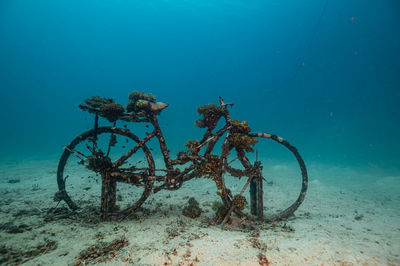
(9, 255)
(263, 260)
(193, 209)
(11, 228)
(101, 252)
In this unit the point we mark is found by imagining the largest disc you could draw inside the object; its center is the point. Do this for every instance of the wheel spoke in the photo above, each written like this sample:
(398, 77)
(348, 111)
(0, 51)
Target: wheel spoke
(112, 142)
(281, 197)
(76, 153)
(80, 178)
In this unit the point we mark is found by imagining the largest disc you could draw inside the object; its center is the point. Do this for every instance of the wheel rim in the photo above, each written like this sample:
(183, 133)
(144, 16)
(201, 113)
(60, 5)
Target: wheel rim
(68, 158)
(304, 176)
(280, 214)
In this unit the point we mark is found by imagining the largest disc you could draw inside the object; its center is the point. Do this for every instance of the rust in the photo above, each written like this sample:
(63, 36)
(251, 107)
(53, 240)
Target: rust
(197, 161)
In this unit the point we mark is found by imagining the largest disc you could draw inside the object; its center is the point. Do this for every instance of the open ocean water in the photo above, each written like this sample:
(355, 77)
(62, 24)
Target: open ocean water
(323, 75)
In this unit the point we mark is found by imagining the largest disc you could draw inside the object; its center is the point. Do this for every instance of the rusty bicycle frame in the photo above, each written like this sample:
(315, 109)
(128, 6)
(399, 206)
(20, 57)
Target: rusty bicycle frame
(199, 158)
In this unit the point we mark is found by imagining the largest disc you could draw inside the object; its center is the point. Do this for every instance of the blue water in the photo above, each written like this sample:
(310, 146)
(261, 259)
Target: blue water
(322, 74)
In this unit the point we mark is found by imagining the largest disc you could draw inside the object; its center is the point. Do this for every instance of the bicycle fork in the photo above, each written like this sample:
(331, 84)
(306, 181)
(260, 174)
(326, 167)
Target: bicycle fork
(256, 193)
(108, 195)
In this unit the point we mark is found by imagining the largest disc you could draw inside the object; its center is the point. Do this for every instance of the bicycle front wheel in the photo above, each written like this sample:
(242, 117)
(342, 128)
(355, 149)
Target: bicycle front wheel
(285, 179)
(79, 182)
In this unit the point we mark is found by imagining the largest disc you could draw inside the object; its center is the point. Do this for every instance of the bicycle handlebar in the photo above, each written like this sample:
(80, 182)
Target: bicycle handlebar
(221, 101)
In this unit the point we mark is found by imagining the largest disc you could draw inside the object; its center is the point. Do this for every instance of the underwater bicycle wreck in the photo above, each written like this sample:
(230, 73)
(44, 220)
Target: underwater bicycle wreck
(195, 162)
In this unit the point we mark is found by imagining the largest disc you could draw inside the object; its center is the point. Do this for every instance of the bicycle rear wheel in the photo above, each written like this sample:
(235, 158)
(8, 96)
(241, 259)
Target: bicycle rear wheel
(76, 175)
(282, 179)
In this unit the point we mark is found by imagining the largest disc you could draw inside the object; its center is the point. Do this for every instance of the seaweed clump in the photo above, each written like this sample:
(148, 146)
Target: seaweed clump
(93, 105)
(210, 167)
(105, 107)
(192, 146)
(98, 162)
(112, 111)
(193, 210)
(239, 137)
(12, 256)
(139, 101)
(211, 114)
(101, 252)
(239, 202)
(220, 210)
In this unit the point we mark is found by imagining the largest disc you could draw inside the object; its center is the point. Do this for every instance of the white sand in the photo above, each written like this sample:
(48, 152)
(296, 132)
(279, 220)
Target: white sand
(325, 229)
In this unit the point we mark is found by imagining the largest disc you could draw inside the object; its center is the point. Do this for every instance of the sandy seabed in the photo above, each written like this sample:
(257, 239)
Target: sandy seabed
(348, 218)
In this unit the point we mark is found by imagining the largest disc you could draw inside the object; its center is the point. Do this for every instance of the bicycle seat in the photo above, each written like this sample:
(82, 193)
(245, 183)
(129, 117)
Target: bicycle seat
(157, 106)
